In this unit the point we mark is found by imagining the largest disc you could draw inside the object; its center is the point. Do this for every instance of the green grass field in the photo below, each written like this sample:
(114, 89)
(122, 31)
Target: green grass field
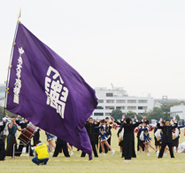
(106, 163)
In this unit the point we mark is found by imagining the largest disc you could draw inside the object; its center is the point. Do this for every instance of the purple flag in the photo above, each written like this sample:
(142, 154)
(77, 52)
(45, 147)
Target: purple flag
(47, 91)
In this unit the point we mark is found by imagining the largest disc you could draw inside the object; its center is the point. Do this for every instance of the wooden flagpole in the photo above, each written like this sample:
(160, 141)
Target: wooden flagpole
(10, 62)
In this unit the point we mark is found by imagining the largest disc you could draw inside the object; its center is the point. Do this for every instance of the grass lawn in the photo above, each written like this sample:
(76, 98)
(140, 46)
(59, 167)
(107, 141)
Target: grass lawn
(106, 163)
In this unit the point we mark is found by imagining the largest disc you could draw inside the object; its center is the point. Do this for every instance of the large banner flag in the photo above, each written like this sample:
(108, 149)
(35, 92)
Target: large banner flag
(47, 91)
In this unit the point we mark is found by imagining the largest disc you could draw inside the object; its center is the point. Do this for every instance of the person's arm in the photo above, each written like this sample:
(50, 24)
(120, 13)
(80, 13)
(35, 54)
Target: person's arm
(158, 124)
(115, 121)
(159, 127)
(175, 126)
(181, 126)
(137, 123)
(20, 129)
(98, 127)
(10, 125)
(143, 129)
(118, 123)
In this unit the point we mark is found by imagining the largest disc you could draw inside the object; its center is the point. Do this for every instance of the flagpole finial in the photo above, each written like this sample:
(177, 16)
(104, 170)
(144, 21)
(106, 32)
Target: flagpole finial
(19, 14)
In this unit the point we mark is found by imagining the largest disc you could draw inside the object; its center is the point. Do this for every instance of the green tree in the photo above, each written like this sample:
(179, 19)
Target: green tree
(130, 114)
(166, 106)
(2, 114)
(117, 114)
(177, 118)
(166, 116)
(156, 113)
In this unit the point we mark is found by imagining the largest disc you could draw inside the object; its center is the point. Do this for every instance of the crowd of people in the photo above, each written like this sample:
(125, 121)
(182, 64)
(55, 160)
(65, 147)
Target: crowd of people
(166, 137)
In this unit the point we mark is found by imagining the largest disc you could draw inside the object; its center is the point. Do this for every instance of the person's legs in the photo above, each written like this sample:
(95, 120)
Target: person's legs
(35, 160)
(28, 149)
(138, 148)
(146, 148)
(106, 149)
(83, 154)
(46, 161)
(2, 151)
(65, 150)
(151, 146)
(68, 146)
(128, 150)
(102, 147)
(19, 150)
(171, 151)
(50, 146)
(94, 149)
(57, 150)
(162, 150)
(133, 150)
(43, 161)
(106, 143)
(159, 147)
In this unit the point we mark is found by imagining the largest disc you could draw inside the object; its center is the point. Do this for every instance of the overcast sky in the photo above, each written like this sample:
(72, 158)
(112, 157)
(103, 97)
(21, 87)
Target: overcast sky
(135, 44)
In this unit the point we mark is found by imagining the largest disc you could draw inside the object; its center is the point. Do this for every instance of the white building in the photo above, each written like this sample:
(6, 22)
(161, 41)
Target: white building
(117, 98)
(178, 110)
(2, 93)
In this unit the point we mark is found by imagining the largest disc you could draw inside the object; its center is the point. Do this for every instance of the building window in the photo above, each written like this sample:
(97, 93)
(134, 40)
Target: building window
(109, 107)
(142, 107)
(99, 107)
(100, 101)
(98, 114)
(109, 94)
(120, 107)
(110, 101)
(107, 114)
(131, 101)
(142, 101)
(120, 101)
(131, 108)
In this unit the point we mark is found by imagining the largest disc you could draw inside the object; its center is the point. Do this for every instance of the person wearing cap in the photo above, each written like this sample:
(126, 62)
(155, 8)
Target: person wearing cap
(41, 154)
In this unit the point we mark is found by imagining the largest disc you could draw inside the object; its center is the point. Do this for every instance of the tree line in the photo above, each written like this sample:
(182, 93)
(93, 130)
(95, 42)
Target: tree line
(157, 113)
(3, 113)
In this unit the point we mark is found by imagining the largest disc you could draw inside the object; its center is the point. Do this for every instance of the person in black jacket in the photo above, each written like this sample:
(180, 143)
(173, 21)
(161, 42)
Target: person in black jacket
(140, 144)
(128, 139)
(61, 145)
(167, 137)
(36, 137)
(21, 144)
(90, 128)
(2, 147)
